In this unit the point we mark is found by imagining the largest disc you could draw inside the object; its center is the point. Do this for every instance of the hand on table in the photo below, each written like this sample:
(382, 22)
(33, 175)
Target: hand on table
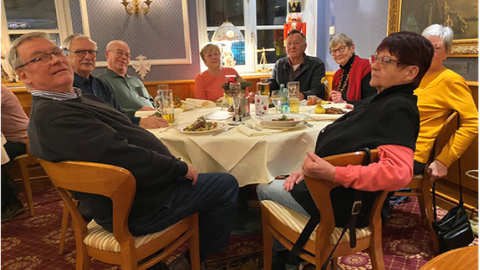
(294, 178)
(348, 106)
(192, 174)
(147, 108)
(301, 96)
(153, 122)
(314, 166)
(437, 170)
(337, 97)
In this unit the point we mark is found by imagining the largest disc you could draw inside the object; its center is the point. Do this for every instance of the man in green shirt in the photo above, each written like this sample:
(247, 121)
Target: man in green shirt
(129, 92)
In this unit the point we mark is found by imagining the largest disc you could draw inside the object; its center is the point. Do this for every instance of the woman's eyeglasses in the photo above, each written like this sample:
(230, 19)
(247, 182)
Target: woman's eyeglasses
(383, 61)
(339, 50)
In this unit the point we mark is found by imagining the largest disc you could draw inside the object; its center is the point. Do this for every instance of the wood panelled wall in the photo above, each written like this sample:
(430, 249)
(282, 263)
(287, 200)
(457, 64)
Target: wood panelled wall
(447, 187)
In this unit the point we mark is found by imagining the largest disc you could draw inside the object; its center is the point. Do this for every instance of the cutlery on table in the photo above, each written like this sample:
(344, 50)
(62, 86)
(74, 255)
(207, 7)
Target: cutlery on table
(222, 131)
(307, 124)
(250, 126)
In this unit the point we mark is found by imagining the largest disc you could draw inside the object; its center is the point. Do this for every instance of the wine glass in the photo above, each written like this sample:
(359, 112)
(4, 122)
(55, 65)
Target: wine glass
(235, 93)
(276, 99)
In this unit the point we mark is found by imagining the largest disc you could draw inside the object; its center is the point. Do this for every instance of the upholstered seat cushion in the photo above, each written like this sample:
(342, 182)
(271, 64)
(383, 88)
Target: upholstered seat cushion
(102, 239)
(297, 222)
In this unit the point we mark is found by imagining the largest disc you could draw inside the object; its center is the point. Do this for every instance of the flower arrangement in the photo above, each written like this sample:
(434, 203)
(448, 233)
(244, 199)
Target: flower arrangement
(243, 83)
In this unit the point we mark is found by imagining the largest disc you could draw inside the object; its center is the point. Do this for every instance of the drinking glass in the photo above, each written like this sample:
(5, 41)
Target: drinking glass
(264, 87)
(293, 88)
(165, 105)
(162, 87)
(235, 93)
(277, 100)
(294, 103)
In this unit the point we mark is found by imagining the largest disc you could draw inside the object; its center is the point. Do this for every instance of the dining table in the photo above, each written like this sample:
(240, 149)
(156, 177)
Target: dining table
(248, 151)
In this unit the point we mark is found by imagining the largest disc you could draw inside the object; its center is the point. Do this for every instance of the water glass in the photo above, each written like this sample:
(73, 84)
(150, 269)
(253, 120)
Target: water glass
(162, 87)
(165, 105)
(277, 100)
(293, 88)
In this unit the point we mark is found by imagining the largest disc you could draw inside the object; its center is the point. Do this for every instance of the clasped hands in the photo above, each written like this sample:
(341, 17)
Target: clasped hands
(313, 166)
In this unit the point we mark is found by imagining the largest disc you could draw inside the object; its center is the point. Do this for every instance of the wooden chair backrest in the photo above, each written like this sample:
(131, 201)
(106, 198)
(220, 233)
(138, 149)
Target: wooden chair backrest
(110, 181)
(445, 135)
(320, 190)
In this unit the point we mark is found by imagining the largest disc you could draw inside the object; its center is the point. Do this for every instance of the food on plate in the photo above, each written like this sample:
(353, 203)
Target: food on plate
(283, 118)
(334, 111)
(319, 109)
(157, 113)
(201, 125)
(178, 103)
(312, 101)
(325, 102)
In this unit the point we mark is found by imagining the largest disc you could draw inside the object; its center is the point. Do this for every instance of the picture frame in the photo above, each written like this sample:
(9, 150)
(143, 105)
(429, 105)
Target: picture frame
(416, 15)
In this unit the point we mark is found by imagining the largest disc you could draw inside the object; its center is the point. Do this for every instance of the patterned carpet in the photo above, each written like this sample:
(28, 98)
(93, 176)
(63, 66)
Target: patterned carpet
(31, 243)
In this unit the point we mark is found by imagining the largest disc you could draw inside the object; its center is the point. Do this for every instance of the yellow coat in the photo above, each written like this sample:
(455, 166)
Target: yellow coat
(438, 94)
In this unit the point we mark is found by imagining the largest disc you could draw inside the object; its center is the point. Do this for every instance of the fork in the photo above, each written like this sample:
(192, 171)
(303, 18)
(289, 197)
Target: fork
(250, 126)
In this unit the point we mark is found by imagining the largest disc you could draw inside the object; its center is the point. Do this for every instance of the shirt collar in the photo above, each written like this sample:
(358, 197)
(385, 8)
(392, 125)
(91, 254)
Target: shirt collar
(114, 74)
(349, 62)
(303, 62)
(81, 80)
(61, 96)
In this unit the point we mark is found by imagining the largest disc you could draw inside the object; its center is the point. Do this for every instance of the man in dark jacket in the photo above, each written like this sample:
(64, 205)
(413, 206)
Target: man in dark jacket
(66, 125)
(297, 66)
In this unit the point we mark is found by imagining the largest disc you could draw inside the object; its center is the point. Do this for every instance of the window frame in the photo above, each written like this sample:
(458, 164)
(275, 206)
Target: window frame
(64, 22)
(250, 28)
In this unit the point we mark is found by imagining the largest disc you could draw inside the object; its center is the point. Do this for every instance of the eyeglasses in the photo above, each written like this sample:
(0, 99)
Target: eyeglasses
(82, 53)
(382, 60)
(44, 58)
(120, 53)
(339, 50)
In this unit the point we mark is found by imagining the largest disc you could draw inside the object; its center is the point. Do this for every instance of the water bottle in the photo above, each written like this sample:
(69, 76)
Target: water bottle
(285, 102)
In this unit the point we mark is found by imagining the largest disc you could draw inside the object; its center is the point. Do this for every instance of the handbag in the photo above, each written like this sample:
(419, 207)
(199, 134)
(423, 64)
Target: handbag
(292, 263)
(454, 229)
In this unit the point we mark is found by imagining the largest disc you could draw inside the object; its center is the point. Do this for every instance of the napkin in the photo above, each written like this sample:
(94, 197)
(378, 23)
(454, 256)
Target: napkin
(142, 114)
(199, 103)
(252, 132)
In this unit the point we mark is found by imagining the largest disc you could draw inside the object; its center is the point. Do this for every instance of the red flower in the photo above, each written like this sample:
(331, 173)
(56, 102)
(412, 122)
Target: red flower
(232, 80)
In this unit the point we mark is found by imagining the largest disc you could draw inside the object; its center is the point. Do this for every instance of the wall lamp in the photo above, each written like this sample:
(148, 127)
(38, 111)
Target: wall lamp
(136, 7)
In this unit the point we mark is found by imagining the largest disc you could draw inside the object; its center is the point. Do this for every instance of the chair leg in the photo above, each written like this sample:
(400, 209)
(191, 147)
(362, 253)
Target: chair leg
(194, 245)
(26, 182)
(267, 241)
(334, 263)
(376, 253)
(83, 259)
(421, 203)
(63, 233)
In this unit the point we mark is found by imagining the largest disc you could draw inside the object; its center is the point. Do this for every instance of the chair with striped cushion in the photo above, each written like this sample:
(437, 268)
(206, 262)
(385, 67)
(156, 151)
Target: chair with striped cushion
(286, 225)
(119, 247)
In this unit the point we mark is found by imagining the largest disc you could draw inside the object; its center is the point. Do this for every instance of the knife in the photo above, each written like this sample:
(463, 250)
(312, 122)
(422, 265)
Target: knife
(222, 131)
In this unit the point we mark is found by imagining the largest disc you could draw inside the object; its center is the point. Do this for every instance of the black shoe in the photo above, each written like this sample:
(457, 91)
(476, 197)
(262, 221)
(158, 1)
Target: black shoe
(12, 211)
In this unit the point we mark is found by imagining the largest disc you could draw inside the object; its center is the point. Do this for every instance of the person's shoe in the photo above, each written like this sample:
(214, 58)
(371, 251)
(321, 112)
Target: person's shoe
(12, 211)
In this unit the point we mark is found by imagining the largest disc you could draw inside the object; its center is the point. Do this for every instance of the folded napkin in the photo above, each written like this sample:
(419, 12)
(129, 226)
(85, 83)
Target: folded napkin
(142, 114)
(259, 131)
(199, 103)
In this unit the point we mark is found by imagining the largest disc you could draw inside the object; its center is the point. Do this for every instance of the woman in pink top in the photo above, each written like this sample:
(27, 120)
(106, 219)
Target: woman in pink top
(208, 84)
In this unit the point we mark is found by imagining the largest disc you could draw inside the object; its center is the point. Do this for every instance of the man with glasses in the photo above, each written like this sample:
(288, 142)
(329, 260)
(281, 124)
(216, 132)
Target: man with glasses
(297, 66)
(82, 55)
(66, 125)
(129, 91)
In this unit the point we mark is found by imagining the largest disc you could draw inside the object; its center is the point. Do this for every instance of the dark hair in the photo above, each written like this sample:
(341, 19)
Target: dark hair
(295, 31)
(410, 49)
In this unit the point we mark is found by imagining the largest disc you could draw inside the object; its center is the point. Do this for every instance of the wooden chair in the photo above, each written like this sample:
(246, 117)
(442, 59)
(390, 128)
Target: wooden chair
(25, 161)
(119, 247)
(286, 225)
(420, 184)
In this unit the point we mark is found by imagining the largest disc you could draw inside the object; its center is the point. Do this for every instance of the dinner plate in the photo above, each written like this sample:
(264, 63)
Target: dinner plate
(301, 124)
(268, 120)
(325, 116)
(180, 128)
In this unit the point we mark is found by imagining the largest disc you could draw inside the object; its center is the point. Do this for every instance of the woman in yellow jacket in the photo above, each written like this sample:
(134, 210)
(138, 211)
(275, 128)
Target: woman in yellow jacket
(440, 92)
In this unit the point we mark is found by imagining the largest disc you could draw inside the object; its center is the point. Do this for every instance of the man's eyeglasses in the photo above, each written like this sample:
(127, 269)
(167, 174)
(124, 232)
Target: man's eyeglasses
(120, 53)
(339, 50)
(82, 53)
(44, 58)
(382, 60)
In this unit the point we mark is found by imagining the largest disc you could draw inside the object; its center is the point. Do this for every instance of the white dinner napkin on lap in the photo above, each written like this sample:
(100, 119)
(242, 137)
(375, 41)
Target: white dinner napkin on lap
(200, 103)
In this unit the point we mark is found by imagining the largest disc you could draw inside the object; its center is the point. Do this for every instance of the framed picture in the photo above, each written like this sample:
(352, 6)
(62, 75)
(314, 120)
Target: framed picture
(460, 15)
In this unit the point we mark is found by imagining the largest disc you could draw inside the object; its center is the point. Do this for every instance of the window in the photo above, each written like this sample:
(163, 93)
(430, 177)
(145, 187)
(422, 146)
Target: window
(24, 16)
(261, 22)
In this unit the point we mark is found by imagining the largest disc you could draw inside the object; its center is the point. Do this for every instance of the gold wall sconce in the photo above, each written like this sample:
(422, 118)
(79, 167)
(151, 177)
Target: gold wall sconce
(136, 7)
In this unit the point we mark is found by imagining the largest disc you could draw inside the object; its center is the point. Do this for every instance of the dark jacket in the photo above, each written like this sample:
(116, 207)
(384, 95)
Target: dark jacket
(310, 76)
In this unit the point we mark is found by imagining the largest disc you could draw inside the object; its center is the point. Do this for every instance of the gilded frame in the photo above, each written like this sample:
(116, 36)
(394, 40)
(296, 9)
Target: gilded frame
(461, 47)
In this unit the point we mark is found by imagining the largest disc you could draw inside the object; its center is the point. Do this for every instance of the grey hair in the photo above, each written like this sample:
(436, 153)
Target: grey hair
(68, 41)
(110, 44)
(13, 58)
(339, 38)
(444, 32)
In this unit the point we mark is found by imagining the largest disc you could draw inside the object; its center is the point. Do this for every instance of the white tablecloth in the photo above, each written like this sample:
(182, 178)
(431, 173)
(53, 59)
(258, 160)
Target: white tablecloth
(3, 154)
(256, 159)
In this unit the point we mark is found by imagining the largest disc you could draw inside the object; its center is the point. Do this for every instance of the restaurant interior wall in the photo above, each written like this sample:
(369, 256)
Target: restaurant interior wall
(365, 22)
(155, 35)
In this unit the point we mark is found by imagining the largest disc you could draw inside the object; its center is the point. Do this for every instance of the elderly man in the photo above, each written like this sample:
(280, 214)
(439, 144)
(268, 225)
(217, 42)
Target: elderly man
(129, 91)
(82, 55)
(297, 66)
(66, 125)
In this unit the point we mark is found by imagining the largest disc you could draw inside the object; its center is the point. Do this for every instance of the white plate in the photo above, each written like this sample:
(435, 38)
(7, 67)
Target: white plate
(189, 107)
(299, 125)
(180, 128)
(218, 115)
(325, 116)
(334, 105)
(297, 118)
